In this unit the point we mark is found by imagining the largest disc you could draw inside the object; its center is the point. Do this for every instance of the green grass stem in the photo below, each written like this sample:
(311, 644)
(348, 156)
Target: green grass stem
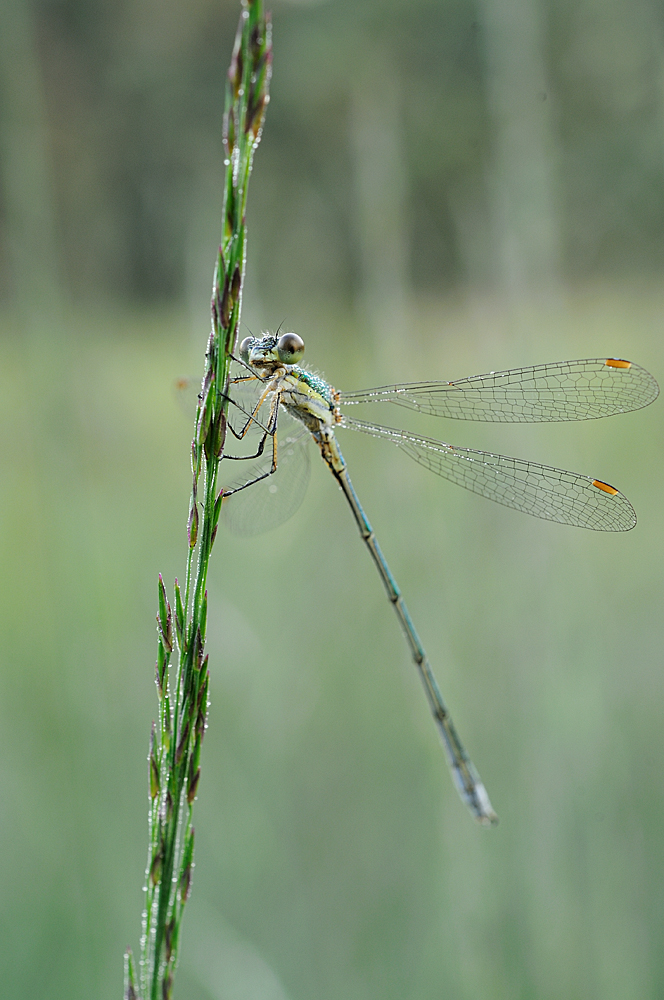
(182, 687)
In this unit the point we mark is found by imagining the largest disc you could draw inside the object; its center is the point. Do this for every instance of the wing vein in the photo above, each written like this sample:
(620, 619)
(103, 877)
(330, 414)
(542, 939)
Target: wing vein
(540, 490)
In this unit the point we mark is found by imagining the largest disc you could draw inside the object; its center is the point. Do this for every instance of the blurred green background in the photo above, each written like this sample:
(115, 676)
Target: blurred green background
(443, 188)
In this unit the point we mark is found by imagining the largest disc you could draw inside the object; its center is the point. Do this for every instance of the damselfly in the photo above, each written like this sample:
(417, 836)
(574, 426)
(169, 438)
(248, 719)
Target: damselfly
(274, 390)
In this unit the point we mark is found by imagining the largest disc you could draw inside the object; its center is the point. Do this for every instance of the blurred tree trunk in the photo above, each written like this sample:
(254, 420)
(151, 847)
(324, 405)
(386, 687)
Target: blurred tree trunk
(522, 182)
(25, 169)
(380, 200)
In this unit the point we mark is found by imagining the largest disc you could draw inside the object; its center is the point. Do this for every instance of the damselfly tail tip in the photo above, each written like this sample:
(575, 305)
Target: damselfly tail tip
(475, 795)
(481, 807)
(487, 819)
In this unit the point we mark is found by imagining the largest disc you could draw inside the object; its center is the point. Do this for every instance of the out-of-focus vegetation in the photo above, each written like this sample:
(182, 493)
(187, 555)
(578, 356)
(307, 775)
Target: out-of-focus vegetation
(442, 189)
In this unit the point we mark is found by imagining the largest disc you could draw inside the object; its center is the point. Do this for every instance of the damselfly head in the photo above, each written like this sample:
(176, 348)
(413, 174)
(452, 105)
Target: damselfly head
(268, 350)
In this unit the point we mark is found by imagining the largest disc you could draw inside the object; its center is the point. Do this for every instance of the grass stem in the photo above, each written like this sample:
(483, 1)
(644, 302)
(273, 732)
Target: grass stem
(183, 687)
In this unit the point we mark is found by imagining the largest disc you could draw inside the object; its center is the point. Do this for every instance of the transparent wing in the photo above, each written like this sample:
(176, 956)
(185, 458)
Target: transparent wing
(567, 390)
(272, 500)
(553, 494)
(186, 390)
(245, 394)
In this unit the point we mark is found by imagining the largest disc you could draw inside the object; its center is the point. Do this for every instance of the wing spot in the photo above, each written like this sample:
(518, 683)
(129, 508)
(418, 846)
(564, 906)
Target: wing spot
(618, 363)
(604, 487)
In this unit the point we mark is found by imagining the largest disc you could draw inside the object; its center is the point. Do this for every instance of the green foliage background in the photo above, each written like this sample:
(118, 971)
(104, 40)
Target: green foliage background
(443, 188)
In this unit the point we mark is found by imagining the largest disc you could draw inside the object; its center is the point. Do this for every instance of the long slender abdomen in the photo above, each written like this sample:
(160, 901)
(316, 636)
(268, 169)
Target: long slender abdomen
(464, 773)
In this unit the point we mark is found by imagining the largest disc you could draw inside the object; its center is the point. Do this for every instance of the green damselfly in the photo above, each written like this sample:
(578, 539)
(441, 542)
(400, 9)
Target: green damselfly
(274, 390)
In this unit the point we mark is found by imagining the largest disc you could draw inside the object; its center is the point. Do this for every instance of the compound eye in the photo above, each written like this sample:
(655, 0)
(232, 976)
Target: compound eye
(290, 348)
(245, 347)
